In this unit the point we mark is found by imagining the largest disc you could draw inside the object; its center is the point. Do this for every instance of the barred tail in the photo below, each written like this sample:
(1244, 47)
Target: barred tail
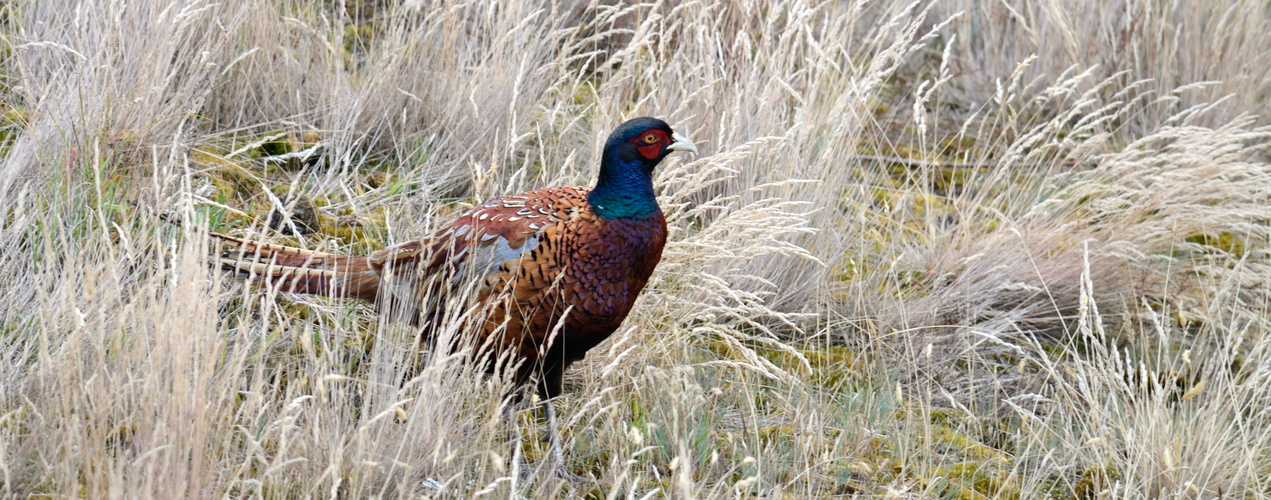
(297, 270)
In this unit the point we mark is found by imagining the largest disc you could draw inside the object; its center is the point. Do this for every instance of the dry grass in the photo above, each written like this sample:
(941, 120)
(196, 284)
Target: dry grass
(964, 250)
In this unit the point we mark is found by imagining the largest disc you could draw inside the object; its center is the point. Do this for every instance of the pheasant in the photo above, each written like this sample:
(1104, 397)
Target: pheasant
(550, 273)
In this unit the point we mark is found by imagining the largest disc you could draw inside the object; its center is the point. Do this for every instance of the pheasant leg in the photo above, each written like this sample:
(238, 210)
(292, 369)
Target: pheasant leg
(557, 455)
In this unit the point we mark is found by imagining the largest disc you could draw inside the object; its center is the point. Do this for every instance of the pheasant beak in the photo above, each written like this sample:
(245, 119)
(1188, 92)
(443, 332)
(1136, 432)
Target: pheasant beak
(681, 143)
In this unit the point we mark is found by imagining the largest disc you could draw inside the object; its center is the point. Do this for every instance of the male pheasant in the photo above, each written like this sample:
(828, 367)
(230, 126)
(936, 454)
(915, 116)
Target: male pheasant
(553, 272)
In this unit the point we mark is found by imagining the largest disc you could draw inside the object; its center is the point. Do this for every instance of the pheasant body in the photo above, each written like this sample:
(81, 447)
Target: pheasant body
(550, 273)
(552, 266)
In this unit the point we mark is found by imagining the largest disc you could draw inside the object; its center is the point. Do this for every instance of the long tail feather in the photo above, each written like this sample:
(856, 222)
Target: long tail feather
(279, 254)
(295, 270)
(298, 270)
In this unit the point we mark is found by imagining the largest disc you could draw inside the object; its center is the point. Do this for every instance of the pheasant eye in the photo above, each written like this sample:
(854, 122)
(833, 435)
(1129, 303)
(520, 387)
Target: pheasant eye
(650, 139)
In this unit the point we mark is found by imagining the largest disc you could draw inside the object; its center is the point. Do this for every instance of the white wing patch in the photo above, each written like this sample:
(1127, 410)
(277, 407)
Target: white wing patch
(486, 260)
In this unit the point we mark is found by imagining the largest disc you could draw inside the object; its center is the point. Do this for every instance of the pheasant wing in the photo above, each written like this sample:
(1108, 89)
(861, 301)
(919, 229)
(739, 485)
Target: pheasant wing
(507, 248)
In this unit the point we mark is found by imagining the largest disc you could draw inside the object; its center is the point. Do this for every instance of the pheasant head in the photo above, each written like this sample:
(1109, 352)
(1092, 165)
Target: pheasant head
(624, 187)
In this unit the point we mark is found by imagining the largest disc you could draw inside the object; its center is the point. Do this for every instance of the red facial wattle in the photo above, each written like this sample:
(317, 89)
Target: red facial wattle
(650, 143)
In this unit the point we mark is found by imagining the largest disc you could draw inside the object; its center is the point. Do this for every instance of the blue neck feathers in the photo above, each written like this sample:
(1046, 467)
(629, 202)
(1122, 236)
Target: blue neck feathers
(624, 188)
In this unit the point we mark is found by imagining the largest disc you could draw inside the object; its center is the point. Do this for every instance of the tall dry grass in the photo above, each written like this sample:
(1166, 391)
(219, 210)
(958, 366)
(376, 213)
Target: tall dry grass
(965, 249)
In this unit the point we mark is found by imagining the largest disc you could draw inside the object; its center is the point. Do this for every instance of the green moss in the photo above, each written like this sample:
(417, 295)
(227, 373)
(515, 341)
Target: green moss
(1092, 481)
(1226, 242)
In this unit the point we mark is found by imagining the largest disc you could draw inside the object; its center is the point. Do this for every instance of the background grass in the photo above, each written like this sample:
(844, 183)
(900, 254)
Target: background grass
(964, 249)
